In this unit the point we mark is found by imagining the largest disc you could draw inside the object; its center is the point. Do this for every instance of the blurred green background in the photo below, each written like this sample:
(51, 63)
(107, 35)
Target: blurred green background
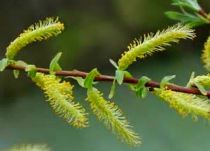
(95, 31)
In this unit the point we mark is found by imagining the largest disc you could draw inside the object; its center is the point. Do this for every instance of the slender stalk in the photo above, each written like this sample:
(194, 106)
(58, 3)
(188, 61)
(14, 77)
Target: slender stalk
(108, 78)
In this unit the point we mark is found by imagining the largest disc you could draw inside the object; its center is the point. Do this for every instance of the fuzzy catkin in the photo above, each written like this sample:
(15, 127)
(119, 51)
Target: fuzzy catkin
(37, 32)
(185, 104)
(204, 80)
(206, 55)
(60, 97)
(152, 43)
(112, 117)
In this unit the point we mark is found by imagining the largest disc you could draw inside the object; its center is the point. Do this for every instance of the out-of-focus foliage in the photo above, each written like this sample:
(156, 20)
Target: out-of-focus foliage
(29, 148)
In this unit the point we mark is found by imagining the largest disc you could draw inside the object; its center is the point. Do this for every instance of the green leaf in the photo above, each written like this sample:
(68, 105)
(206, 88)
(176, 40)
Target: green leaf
(140, 88)
(113, 63)
(166, 80)
(186, 18)
(16, 73)
(189, 84)
(112, 91)
(119, 75)
(142, 93)
(31, 69)
(3, 64)
(142, 81)
(88, 83)
(190, 4)
(200, 88)
(79, 80)
(54, 65)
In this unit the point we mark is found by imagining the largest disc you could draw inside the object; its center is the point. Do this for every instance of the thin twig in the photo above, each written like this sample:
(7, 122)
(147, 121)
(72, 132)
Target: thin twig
(203, 13)
(108, 78)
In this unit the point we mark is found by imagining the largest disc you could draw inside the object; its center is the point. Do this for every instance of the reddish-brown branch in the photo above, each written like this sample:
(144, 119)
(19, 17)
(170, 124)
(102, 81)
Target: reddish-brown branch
(203, 13)
(107, 78)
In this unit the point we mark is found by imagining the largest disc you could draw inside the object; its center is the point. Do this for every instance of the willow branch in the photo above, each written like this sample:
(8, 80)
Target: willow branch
(108, 78)
(203, 13)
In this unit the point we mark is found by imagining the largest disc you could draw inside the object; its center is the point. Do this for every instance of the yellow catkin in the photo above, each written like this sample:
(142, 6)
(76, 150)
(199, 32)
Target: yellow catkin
(204, 80)
(60, 97)
(154, 42)
(29, 147)
(185, 103)
(112, 116)
(37, 32)
(206, 55)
